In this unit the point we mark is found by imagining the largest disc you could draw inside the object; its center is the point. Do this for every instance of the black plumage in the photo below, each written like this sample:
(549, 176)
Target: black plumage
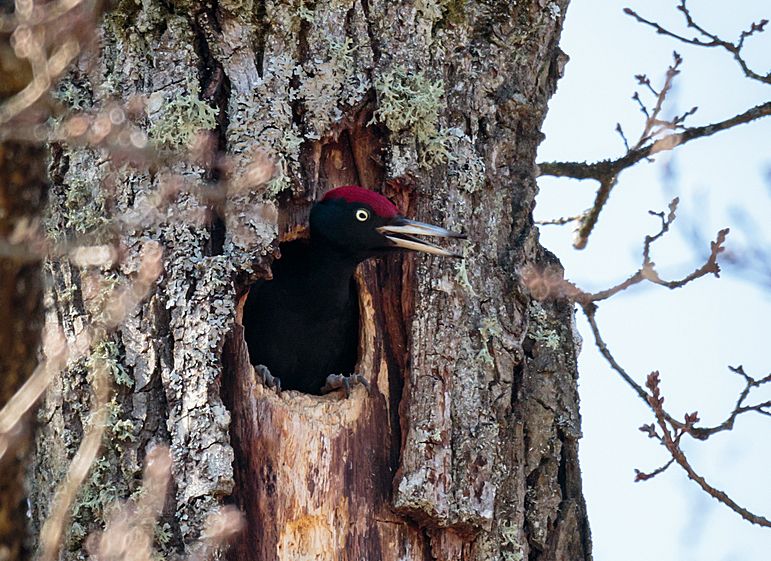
(303, 323)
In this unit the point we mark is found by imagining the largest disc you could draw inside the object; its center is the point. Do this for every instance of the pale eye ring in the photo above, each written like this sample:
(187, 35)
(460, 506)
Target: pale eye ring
(362, 215)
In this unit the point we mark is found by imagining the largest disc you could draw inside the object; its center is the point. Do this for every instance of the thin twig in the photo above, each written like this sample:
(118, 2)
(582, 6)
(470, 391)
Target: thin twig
(709, 39)
(644, 476)
(559, 221)
(671, 442)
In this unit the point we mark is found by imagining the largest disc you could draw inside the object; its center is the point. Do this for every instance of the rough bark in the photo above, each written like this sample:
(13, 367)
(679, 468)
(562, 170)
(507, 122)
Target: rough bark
(467, 447)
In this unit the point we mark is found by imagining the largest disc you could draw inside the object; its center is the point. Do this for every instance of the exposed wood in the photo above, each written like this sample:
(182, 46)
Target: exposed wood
(313, 474)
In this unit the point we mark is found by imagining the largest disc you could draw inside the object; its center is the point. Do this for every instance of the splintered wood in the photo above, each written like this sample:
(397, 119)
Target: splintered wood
(313, 474)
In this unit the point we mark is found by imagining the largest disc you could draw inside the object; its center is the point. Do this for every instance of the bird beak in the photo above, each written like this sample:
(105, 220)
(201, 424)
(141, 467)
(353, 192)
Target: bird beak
(401, 232)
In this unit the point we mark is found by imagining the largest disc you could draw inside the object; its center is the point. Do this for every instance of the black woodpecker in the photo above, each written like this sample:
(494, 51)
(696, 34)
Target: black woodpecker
(301, 327)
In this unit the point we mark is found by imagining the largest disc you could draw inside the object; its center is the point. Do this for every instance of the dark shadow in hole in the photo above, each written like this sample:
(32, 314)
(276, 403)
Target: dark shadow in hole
(296, 337)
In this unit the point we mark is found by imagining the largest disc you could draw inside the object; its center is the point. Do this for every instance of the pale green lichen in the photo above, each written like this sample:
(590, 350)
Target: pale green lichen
(328, 82)
(181, 119)
(441, 12)
(453, 11)
(511, 550)
(461, 274)
(428, 9)
(305, 13)
(409, 101)
(263, 118)
(104, 486)
(489, 328)
(72, 95)
(98, 303)
(466, 168)
(540, 329)
(106, 354)
(484, 356)
(99, 491)
(84, 209)
(163, 534)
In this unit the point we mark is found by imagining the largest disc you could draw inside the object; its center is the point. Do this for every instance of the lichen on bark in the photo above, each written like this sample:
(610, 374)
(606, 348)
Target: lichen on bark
(476, 419)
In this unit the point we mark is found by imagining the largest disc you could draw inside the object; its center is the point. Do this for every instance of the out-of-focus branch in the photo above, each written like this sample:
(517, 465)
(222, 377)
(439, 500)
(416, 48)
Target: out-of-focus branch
(57, 354)
(122, 300)
(129, 531)
(707, 39)
(120, 303)
(53, 529)
(38, 41)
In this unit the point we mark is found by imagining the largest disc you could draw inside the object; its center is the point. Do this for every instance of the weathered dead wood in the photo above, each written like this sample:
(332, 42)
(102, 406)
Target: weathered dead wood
(313, 474)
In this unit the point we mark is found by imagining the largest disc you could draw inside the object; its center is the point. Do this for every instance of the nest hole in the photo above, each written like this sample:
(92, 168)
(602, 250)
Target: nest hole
(361, 358)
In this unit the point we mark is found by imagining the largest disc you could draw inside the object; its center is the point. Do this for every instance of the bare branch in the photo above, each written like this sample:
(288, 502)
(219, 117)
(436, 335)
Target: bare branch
(544, 284)
(608, 168)
(590, 310)
(647, 271)
(48, 37)
(763, 408)
(620, 132)
(670, 439)
(561, 221)
(607, 172)
(644, 476)
(708, 39)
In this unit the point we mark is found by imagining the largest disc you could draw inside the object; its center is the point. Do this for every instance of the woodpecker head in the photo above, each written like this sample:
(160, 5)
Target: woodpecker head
(365, 224)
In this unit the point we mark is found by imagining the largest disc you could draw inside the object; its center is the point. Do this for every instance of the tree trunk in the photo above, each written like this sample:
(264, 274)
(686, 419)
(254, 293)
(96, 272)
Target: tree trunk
(466, 447)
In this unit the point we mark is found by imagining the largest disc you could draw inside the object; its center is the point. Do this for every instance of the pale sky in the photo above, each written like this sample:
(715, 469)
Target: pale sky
(690, 335)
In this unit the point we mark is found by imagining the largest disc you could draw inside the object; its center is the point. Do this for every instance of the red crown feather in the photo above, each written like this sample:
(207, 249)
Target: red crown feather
(355, 194)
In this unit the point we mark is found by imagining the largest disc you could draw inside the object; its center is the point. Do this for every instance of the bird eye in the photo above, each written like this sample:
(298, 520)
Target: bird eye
(362, 215)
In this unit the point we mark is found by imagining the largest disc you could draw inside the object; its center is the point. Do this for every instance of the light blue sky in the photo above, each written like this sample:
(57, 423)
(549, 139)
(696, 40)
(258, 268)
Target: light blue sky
(690, 335)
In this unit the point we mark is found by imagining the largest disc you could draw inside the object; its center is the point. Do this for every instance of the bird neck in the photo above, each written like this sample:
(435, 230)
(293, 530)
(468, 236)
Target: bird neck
(329, 274)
